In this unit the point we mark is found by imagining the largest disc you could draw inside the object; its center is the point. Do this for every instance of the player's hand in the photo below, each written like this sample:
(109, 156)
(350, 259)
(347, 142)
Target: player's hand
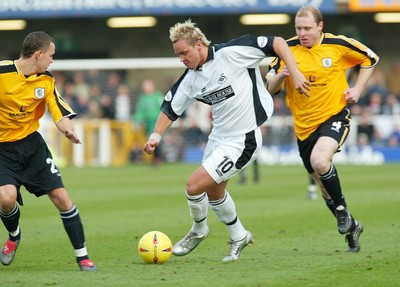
(284, 72)
(72, 136)
(150, 146)
(152, 143)
(300, 83)
(352, 95)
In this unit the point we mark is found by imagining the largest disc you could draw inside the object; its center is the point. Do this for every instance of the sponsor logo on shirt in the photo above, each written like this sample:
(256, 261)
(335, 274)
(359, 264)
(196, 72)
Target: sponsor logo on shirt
(218, 96)
(313, 80)
(19, 115)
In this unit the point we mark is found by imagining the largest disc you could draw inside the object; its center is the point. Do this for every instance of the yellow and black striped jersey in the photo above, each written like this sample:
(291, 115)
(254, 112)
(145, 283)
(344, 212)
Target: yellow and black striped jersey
(324, 66)
(23, 100)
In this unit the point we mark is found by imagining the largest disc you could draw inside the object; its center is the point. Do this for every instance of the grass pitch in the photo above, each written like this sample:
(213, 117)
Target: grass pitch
(296, 241)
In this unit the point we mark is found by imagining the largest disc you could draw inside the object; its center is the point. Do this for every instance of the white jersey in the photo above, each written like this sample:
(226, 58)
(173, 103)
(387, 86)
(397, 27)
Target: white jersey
(231, 83)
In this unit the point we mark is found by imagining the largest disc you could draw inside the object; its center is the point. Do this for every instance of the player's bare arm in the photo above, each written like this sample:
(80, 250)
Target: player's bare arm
(299, 81)
(162, 124)
(352, 95)
(65, 126)
(275, 83)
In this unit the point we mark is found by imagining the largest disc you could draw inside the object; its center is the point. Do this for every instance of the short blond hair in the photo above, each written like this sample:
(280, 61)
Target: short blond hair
(315, 12)
(189, 32)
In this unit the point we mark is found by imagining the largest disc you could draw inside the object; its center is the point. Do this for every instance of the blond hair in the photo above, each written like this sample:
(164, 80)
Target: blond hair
(189, 32)
(303, 11)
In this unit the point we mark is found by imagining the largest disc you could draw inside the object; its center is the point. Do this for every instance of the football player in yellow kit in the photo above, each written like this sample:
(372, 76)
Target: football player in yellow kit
(26, 87)
(321, 119)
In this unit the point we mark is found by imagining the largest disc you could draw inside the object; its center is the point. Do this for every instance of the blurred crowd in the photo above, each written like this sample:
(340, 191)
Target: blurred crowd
(104, 94)
(108, 94)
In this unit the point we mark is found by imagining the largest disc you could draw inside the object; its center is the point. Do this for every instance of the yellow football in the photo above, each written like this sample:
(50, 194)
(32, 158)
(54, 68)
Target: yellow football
(155, 247)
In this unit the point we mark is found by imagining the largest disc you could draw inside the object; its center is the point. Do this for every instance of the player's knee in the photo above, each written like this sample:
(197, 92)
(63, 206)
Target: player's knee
(193, 188)
(190, 189)
(8, 199)
(320, 165)
(61, 199)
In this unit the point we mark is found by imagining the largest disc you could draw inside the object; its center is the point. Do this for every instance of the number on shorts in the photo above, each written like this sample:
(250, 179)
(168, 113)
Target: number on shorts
(224, 166)
(53, 167)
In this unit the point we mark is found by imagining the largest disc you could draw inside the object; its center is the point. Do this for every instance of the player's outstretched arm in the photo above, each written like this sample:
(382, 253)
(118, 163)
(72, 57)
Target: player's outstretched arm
(65, 126)
(162, 124)
(275, 81)
(283, 51)
(352, 95)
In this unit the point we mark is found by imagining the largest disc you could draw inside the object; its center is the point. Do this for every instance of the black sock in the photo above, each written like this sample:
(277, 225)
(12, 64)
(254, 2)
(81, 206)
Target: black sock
(353, 224)
(331, 206)
(11, 222)
(331, 182)
(73, 227)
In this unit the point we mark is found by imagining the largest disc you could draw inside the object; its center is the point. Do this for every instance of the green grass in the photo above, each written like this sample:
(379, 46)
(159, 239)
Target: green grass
(296, 241)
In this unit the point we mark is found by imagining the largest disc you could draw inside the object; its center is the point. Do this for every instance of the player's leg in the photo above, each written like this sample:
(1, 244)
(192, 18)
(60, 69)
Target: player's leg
(222, 204)
(317, 152)
(43, 177)
(225, 210)
(331, 135)
(222, 160)
(197, 186)
(237, 154)
(321, 161)
(73, 226)
(325, 195)
(10, 179)
(197, 199)
(10, 214)
(312, 189)
(256, 171)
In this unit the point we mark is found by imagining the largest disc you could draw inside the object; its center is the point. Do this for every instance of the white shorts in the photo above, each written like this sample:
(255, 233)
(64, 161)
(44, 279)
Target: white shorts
(225, 157)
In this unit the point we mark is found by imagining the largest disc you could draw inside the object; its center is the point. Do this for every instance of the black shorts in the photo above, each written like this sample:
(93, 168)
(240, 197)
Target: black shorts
(28, 162)
(336, 127)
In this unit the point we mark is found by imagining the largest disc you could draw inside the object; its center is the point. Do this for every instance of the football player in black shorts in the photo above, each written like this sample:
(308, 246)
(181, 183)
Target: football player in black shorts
(26, 88)
(322, 119)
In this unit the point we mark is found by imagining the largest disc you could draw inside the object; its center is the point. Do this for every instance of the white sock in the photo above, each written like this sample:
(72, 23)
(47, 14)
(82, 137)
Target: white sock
(15, 232)
(81, 252)
(225, 210)
(198, 207)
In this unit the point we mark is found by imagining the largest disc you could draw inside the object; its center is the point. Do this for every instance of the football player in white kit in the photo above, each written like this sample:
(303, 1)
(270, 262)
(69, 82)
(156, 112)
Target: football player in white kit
(226, 77)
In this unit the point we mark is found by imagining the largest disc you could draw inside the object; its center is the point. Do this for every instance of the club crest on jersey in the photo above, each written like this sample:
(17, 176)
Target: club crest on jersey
(39, 93)
(327, 62)
(222, 79)
(262, 41)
